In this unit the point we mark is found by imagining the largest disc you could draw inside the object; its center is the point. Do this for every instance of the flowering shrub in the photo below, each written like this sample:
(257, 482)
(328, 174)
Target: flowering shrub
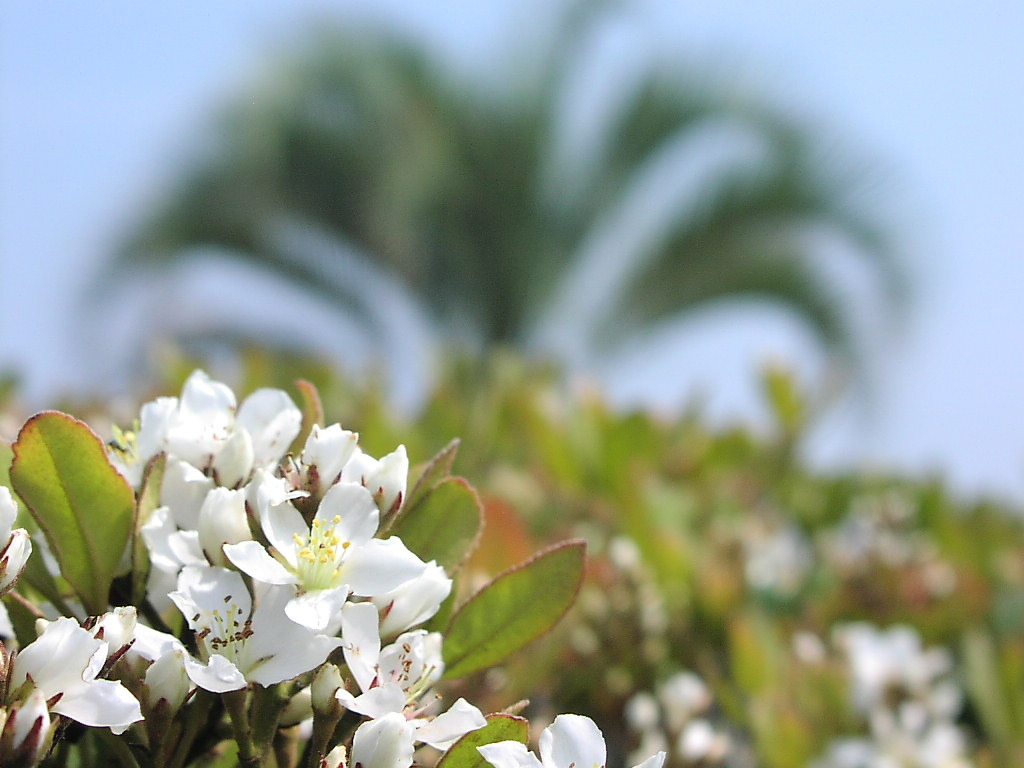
(240, 583)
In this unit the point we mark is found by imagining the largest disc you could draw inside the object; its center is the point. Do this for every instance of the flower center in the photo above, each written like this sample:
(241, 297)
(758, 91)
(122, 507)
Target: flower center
(225, 631)
(319, 555)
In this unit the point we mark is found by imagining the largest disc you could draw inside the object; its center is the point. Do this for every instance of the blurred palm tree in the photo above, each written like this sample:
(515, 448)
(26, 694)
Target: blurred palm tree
(501, 218)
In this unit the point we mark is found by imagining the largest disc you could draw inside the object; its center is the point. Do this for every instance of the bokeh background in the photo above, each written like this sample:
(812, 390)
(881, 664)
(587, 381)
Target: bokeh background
(101, 103)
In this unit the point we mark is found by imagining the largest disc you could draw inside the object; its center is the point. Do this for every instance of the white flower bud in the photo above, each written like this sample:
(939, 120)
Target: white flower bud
(326, 683)
(233, 464)
(116, 628)
(298, 708)
(325, 455)
(27, 731)
(336, 758)
(167, 679)
(222, 520)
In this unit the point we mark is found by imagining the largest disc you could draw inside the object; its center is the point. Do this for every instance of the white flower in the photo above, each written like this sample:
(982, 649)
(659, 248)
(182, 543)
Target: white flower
(386, 742)
(62, 664)
(15, 545)
(325, 454)
(413, 602)
(395, 678)
(239, 645)
(334, 556)
(572, 741)
(385, 478)
(205, 423)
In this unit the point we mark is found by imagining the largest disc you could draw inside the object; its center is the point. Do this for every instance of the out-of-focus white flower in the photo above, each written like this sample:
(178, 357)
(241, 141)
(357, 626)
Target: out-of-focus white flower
(571, 741)
(62, 664)
(384, 478)
(883, 660)
(237, 644)
(683, 695)
(777, 560)
(333, 557)
(15, 545)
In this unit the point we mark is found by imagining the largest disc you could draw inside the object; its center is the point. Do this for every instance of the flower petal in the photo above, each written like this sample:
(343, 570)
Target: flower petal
(509, 754)
(448, 727)
(316, 610)
(386, 742)
(355, 507)
(379, 566)
(250, 557)
(572, 741)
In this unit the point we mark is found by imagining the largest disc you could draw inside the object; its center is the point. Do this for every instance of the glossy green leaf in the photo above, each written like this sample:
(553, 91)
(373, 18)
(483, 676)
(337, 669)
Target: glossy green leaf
(35, 573)
(82, 504)
(516, 608)
(445, 526)
(500, 727)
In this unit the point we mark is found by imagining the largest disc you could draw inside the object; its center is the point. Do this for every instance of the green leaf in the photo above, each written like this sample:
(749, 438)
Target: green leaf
(445, 526)
(35, 573)
(516, 608)
(500, 727)
(149, 500)
(82, 504)
(436, 470)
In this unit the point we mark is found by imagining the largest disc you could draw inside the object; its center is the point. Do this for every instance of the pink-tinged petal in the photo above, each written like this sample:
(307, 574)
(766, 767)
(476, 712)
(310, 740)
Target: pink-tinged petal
(379, 566)
(386, 742)
(272, 421)
(101, 703)
(250, 557)
(378, 701)
(509, 754)
(316, 610)
(218, 675)
(654, 761)
(359, 516)
(448, 727)
(362, 642)
(572, 741)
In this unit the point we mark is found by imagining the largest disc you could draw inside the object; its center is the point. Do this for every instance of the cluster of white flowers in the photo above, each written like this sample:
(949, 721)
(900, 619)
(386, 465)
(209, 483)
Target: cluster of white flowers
(676, 718)
(881, 530)
(274, 562)
(905, 694)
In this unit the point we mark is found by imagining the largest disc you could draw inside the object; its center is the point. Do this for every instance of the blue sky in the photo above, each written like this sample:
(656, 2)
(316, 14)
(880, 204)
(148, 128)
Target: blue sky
(97, 100)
